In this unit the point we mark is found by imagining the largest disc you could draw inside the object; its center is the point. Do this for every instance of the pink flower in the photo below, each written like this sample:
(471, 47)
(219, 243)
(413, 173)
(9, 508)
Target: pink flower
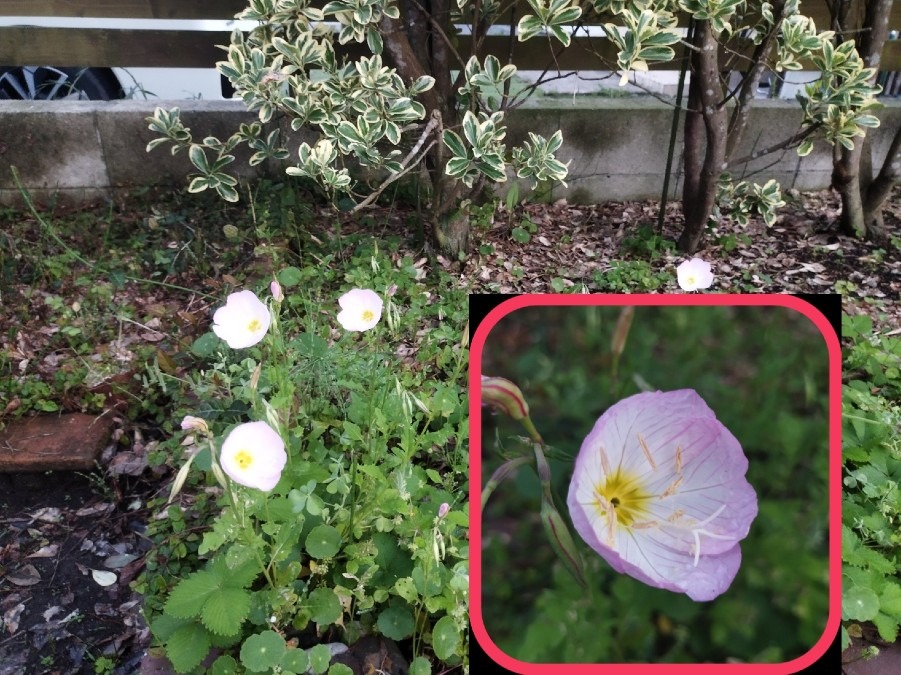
(659, 491)
(243, 321)
(361, 309)
(254, 455)
(191, 423)
(276, 289)
(694, 274)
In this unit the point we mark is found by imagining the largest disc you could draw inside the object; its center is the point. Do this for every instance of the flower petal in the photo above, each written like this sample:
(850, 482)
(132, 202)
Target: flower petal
(254, 455)
(659, 491)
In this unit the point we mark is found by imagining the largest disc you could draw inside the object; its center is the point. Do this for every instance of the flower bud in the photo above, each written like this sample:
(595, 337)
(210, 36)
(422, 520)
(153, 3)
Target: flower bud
(501, 394)
(561, 540)
(195, 423)
(276, 290)
(621, 333)
(180, 479)
(443, 509)
(554, 525)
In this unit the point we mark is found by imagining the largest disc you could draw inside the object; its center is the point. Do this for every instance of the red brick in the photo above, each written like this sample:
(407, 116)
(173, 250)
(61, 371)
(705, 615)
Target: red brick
(45, 442)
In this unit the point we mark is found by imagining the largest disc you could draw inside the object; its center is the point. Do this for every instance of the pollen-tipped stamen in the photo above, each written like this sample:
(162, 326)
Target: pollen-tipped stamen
(646, 451)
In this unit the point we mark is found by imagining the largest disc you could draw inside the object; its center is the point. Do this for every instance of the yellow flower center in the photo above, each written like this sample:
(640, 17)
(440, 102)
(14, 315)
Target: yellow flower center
(621, 498)
(254, 326)
(368, 315)
(244, 458)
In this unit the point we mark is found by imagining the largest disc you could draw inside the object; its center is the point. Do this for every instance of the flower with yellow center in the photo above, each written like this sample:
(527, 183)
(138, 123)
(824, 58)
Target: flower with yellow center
(243, 321)
(253, 454)
(659, 491)
(694, 274)
(361, 309)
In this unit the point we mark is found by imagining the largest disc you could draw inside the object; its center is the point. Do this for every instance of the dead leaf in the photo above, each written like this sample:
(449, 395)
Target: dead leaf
(11, 618)
(24, 576)
(95, 510)
(48, 551)
(128, 463)
(104, 578)
(47, 515)
(115, 562)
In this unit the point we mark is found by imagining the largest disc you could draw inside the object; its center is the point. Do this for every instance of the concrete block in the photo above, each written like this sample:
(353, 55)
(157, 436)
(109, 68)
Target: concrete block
(124, 129)
(53, 147)
(46, 442)
(616, 147)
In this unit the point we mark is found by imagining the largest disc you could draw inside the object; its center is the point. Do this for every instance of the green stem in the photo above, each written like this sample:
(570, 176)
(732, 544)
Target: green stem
(503, 472)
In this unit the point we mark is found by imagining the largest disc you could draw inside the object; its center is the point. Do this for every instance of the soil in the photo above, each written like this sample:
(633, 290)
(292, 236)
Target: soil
(57, 531)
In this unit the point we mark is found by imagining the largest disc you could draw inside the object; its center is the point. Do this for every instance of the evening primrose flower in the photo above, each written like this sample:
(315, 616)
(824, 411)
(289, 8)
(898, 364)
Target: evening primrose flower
(694, 274)
(361, 309)
(253, 454)
(192, 423)
(659, 491)
(243, 321)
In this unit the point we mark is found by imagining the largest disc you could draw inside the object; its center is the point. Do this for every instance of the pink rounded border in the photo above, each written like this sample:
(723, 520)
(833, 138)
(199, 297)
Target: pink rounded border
(475, 458)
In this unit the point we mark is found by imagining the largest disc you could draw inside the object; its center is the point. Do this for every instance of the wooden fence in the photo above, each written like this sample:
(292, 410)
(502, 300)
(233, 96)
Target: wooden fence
(107, 47)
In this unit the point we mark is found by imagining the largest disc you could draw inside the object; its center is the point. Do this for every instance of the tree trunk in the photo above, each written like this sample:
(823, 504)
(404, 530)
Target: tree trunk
(745, 97)
(449, 227)
(846, 178)
(881, 189)
(705, 107)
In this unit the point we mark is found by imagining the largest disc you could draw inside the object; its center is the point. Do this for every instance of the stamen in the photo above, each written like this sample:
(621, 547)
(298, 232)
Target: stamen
(647, 451)
(676, 515)
(678, 458)
(672, 488)
(605, 463)
(611, 519)
(646, 525)
(611, 527)
(697, 546)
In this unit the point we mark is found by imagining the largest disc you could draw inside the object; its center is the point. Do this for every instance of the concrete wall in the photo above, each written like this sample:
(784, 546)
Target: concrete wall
(84, 150)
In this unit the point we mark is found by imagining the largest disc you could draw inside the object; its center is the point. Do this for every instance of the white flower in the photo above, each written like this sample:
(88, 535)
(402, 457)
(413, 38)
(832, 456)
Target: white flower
(694, 274)
(243, 321)
(361, 309)
(254, 455)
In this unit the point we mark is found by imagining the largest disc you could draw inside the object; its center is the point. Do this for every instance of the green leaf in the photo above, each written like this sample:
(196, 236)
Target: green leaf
(320, 656)
(325, 608)
(260, 653)
(860, 603)
(323, 541)
(187, 647)
(340, 669)
(206, 345)
(290, 276)
(224, 665)
(520, 235)
(445, 638)
(225, 611)
(295, 660)
(420, 666)
(198, 158)
(396, 622)
(805, 147)
(188, 597)
(887, 626)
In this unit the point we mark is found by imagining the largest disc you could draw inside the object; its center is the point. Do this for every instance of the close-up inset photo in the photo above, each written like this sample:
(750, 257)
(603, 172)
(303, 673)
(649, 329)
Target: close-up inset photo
(654, 484)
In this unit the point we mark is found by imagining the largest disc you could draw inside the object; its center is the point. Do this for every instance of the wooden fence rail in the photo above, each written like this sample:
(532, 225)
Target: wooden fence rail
(22, 45)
